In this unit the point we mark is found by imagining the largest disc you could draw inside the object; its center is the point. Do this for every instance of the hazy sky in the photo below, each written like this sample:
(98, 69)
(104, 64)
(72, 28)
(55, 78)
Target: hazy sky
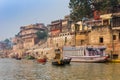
(16, 13)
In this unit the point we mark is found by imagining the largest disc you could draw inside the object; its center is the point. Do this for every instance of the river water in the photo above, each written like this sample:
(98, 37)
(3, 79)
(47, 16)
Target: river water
(11, 69)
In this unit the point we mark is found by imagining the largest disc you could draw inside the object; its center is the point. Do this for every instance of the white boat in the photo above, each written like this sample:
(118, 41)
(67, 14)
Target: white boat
(85, 53)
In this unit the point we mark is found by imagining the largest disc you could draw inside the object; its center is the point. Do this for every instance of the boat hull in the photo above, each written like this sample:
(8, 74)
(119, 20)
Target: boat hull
(67, 61)
(85, 53)
(41, 60)
(61, 62)
(18, 58)
(90, 59)
(30, 57)
(57, 63)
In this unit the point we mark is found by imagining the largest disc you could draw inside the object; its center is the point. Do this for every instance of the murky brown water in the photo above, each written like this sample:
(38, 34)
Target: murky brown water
(11, 69)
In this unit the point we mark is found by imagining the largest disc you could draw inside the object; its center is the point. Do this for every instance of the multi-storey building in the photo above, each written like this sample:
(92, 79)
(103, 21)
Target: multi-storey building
(60, 33)
(27, 37)
(99, 32)
(17, 43)
(107, 34)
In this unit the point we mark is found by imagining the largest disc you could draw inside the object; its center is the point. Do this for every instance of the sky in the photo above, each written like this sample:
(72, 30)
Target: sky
(17, 13)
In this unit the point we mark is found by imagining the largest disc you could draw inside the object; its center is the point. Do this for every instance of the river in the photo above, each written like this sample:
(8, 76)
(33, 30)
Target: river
(11, 69)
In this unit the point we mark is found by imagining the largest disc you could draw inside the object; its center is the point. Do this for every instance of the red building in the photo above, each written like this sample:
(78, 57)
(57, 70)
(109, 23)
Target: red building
(96, 15)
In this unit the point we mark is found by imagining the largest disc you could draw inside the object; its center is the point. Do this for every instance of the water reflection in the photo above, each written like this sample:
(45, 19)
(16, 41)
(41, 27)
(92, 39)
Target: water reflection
(11, 69)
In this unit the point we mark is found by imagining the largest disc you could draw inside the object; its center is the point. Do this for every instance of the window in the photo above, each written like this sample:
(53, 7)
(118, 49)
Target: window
(56, 44)
(116, 21)
(115, 56)
(105, 22)
(82, 42)
(101, 39)
(114, 37)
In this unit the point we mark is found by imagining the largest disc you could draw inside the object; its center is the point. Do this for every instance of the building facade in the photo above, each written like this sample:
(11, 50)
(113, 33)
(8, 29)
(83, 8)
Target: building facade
(27, 37)
(60, 33)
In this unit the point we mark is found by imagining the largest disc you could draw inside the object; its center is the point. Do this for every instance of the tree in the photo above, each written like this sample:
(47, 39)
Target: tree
(85, 8)
(42, 34)
(6, 44)
(113, 4)
(80, 9)
(7, 41)
(108, 5)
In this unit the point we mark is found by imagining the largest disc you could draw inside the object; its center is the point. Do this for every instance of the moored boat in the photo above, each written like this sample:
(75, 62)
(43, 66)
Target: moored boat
(29, 57)
(42, 60)
(18, 58)
(85, 54)
(67, 61)
(58, 60)
(58, 63)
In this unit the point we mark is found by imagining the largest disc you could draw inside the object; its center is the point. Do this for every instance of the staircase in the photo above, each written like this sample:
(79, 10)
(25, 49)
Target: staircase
(41, 44)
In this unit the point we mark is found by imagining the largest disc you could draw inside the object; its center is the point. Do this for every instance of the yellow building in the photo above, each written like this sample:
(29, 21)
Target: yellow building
(106, 19)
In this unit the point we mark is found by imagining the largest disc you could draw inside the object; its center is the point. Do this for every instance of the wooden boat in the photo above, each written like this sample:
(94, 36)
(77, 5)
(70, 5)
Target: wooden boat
(85, 54)
(18, 58)
(58, 63)
(29, 57)
(67, 61)
(42, 60)
(58, 59)
(61, 62)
